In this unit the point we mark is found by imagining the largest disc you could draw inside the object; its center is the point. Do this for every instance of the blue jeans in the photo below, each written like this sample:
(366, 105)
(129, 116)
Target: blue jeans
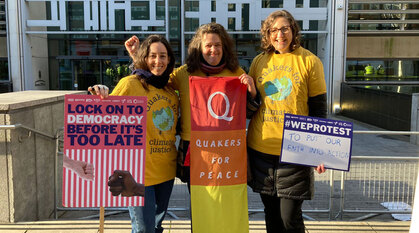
(148, 218)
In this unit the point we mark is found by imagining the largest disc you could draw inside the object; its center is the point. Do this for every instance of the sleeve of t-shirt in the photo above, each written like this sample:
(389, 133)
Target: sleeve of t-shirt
(174, 78)
(316, 82)
(122, 88)
(172, 82)
(240, 71)
(253, 67)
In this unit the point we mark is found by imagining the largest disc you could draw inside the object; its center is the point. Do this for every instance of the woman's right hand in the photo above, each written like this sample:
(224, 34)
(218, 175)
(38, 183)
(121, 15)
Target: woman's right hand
(248, 81)
(132, 45)
(100, 90)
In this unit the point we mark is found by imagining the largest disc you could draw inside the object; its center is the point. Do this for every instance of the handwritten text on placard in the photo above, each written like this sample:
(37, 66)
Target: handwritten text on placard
(312, 141)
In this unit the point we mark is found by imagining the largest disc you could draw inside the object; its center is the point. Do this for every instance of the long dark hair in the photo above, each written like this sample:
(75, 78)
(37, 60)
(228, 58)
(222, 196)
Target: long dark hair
(267, 24)
(195, 49)
(144, 50)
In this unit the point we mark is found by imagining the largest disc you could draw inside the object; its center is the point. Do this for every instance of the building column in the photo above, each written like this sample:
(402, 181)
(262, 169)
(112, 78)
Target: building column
(28, 55)
(337, 53)
(15, 44)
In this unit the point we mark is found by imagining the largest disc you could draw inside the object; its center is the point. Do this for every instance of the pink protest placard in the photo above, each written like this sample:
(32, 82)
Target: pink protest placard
(101, 136)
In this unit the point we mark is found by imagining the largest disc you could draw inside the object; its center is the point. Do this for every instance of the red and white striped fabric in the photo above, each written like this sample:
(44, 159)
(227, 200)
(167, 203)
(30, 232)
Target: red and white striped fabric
(78, 192)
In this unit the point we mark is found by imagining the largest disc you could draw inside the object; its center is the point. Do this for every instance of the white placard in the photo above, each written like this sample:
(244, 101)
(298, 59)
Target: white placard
(312, 141)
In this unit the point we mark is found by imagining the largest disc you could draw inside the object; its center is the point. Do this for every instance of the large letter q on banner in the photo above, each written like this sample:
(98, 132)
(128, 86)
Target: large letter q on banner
(211, 111)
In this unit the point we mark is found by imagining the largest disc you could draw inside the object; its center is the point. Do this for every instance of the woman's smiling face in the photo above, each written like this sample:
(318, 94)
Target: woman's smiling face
(212, 48)
(157, 58)
(281, 35)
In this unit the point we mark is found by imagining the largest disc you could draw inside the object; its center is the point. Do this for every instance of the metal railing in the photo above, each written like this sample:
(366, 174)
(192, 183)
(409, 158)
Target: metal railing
(29, 129)
(379, 184)
(371, 183)
(376, 182)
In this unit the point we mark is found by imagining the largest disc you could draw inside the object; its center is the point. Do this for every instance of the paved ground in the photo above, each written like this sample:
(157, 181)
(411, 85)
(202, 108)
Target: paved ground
(179, 226)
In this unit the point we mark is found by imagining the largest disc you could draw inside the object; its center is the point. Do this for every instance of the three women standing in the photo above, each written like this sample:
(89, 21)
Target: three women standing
(286, 78)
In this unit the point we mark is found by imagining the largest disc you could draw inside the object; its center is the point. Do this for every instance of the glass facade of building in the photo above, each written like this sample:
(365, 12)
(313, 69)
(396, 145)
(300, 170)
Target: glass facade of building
(382, 62)
(70, 45)
(383, 16)
(82, 60)
(80, 57)
(372, 20)
(4, 72)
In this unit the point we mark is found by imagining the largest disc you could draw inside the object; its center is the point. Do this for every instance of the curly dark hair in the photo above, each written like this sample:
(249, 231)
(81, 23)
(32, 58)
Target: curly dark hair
(195, 50)
(267, 24)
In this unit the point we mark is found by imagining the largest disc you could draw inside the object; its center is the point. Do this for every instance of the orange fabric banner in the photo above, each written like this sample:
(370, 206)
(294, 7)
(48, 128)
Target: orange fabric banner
(218, 155)
(220, 162)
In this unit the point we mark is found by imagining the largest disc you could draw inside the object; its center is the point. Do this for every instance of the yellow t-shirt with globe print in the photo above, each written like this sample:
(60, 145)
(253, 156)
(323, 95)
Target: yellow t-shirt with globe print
(284, 81)
(162, 116)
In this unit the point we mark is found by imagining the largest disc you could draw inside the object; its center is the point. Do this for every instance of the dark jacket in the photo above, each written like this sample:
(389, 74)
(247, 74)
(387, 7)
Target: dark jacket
(268, 176)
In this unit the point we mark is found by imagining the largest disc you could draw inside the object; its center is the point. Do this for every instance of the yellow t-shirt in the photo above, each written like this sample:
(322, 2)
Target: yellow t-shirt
(179, 80)
(284, 81)
(162, 115)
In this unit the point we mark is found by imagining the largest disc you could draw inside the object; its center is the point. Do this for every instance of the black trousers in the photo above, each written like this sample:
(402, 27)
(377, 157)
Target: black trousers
(283, 215)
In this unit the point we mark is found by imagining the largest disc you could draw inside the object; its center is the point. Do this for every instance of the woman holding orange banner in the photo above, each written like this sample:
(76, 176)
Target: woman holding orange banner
(287, 79)
(210, 53)
(154, 62)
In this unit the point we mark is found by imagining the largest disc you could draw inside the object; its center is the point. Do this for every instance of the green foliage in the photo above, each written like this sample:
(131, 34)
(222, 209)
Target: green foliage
(117, 72)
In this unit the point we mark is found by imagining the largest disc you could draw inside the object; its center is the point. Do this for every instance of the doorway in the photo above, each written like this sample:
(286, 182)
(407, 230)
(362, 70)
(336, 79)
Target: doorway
(79, 74)
(86, 73)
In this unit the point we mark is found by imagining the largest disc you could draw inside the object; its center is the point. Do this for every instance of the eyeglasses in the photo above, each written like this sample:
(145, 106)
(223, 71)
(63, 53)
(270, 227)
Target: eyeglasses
(284, 30)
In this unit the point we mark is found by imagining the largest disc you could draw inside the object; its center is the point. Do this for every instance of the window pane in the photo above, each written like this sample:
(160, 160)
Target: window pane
(318, 3)
(4, 70)
(76, 16)
(382, 70)
(191, 24)
(192, 5)
(383, 26)
(231, 24)
(299, 3)
(383, 17)
(382, 6)
(272, 4)
(140, 11)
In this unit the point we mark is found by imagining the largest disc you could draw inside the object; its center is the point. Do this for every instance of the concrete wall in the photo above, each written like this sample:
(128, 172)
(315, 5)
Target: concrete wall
(4, 187)
(27, 159)
(382, 47)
